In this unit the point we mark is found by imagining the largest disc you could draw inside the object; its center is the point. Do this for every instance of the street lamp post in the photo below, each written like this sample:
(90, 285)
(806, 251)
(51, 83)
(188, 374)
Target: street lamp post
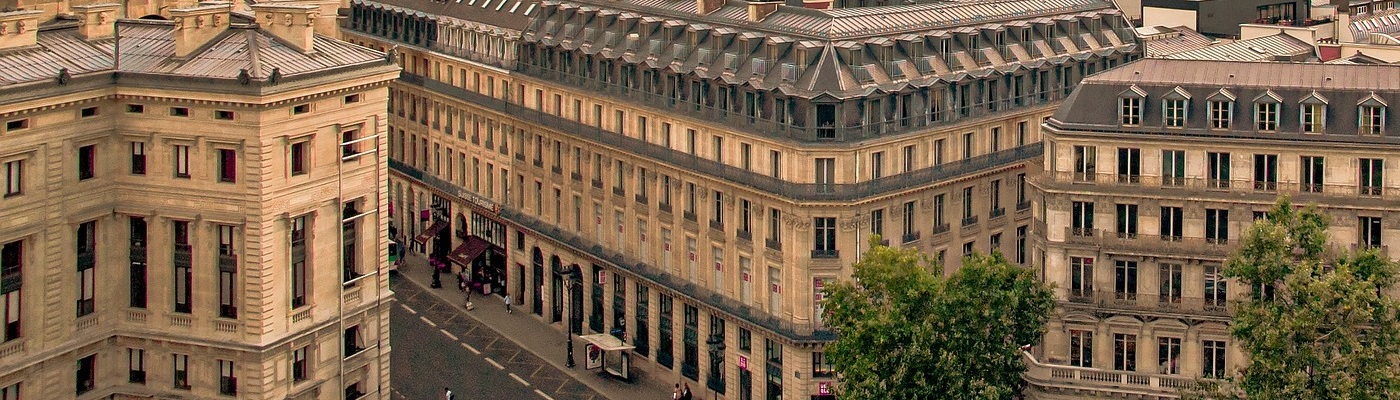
(716, 344)
(571, 283)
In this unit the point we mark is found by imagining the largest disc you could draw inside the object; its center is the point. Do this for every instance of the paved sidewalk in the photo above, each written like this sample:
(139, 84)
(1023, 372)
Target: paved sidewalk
(529, 332)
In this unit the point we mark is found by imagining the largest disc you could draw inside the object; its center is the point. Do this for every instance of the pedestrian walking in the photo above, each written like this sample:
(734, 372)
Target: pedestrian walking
(507, 304)
(685, 393)
(447, 394)
(462, 280)
(676, 393)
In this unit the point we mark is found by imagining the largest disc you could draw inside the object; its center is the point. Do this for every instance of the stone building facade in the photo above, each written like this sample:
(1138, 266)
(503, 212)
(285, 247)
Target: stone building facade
(1156, 168)
(193, 205)
(690, 174)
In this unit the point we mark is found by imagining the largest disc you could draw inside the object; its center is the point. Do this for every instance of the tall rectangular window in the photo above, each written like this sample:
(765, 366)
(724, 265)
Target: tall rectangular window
(1124, 352)
(1081, 276)
(181, 372)
(746, 217)
(298, 161)
(1371, 119)
(641, 339)
(1314, 118)
(1173, 167)
(877, 165)
(1021, 201)
(299, 282)
(14, 178)
(967, 199)
(1082, 218)
(939, 148)
(228, 270)
(228, 166)
(1215, 290)
(1310, 174)
(1170, 223)
(1266, 116)
(86, 373)
(1129, 165)
(136, 366)
(1217, 170)
(775, 224)
(1169, 278)
(1085, 163)
(182, 161)
(1125, 280)
(1213, 359)
(300, 366)
(137, 250)
(775, 163)
(746, 156)
(824, 240)
(664, 343)
(1168, 355)
(87, 260)
(909, 158)
(690, 355)
(1368, 232)
(228, 382)
(87, 162)
(1265, 172)
(1217, 226)
(183, 269)
(1127, 221)
(11, 281)
(994, 197)
(910, 234)
(1372, 176)
(138, 158)
(1081, 348)
(967, 145)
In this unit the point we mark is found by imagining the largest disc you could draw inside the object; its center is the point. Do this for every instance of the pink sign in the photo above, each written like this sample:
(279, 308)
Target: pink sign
(743, 363)
(824, 388)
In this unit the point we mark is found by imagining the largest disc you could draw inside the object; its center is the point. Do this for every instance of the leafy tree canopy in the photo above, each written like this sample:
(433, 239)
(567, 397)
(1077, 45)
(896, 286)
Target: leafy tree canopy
(1318, 324)
(907, 333)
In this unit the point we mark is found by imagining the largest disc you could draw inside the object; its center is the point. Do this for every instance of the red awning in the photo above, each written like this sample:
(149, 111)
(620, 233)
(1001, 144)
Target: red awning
(469, 250)
(433, 229)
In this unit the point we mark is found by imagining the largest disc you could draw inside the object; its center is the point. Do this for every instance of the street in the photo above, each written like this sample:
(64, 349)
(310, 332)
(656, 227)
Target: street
(436, 346)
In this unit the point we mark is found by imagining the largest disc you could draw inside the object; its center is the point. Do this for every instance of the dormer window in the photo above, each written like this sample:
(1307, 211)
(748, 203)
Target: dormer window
(1175, 106)
(1266, 112)
(1130, 106)
(1222, 109)
(1370, 114)
(1312, 113)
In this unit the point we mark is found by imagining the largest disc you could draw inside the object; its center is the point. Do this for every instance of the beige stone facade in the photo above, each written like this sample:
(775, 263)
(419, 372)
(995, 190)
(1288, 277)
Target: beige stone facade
(684, 225)
(1152, 182)
(171, 223)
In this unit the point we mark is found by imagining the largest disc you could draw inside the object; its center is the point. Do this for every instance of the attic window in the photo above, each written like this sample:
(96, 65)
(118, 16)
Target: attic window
(88, 112)
(135, 108)
(301, 109)
(16, 125)
(223, 115)
(354, 98)
(179, 111)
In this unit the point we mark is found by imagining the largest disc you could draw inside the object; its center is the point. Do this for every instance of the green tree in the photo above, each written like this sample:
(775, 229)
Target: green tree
(1317, 324)
(907, 333)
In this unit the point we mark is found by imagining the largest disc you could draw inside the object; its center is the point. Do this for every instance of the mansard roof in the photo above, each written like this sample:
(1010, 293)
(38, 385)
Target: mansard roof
(1092, 105)
(842, 53)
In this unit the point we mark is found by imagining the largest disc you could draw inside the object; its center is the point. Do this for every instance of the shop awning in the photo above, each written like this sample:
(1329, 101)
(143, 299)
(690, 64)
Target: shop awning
(607, 342)
(433, 229)
(468, 250)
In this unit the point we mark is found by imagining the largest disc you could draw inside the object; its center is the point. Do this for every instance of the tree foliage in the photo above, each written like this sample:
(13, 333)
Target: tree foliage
(1318, 324)
(907, 333)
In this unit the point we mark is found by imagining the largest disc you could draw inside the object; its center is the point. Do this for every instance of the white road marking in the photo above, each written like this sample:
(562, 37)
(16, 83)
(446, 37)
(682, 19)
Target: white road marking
(493, 363)
(537, 391)
(405, 308)
(449, 334)
(518, 379)
(472, 349)
(425, 320)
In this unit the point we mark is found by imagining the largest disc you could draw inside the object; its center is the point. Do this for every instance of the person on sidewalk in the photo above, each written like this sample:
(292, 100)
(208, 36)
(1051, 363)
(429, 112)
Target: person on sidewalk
(676, 393)
(507, 303)
(447, 394)
(685, 393)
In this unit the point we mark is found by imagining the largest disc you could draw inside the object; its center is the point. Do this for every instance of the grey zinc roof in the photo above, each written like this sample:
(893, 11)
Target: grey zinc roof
(1164, 41)
(148, 47)
(1093, 105)
(507, 14)
(1263, 48)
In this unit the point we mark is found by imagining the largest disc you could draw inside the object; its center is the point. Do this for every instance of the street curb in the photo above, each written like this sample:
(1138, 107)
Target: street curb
(567, 371)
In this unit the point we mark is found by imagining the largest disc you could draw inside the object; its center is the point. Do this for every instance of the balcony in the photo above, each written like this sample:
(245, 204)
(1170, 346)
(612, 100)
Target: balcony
(969, 221)
(1139, 303)
(1173, 181)
(826, 253)
(538, 163)
(228, 262)
(911, 237)
(744, 235)
(1217, 183)
(1265, 186)
(577, 177)
(597, 183)
(1371, 191)
(1089, 382)
(773, 244)
(997, 212)
(941, 228)
(640, 198)
(619, 191)
(689, 215)
(87, 259)
(1023, 206)
(1129, 179)
(717, 225)
(556, 170)
(664, 207)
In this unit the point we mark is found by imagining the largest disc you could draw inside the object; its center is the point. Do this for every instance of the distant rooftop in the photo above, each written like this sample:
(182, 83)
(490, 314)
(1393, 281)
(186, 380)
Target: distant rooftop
(148, 47)
(1278, 47)
(489, 14)
(1162, 41)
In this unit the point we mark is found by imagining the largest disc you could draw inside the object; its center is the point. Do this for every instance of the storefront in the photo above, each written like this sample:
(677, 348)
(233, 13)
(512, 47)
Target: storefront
(482, 245)
(435, 241)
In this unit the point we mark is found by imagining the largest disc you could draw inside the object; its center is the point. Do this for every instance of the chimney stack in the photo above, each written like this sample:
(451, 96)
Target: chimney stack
(758, 10)
(96, 21)
(19, 28)
(294, 24)
(196, 26)
(705, 7)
